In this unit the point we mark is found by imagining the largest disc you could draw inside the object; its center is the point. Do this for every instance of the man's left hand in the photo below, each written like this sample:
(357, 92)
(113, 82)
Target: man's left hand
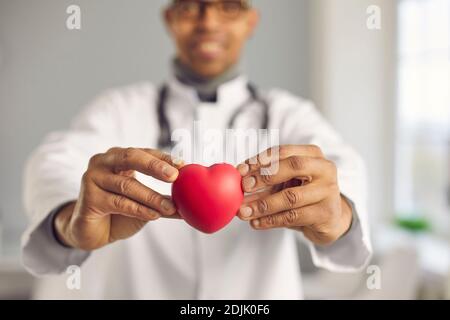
(302, 194)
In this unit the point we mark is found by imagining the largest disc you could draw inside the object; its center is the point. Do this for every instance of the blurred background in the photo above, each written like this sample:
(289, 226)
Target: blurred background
(386, 90)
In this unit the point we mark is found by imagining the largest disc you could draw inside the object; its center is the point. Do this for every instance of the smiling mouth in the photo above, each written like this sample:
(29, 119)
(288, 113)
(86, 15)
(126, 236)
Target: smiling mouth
(208, 49)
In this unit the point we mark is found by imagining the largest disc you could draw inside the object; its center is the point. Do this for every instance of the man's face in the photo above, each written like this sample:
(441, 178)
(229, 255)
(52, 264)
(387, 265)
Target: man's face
(210, 35)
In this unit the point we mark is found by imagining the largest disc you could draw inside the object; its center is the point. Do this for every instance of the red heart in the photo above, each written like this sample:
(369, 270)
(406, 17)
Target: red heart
(208, 198)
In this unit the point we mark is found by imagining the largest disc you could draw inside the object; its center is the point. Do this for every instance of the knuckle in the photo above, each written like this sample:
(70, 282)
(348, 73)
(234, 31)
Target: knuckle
(152, 198)
(127, 154)
(297, 163)
(138, 209)
(94, 160)
(263, 205)
(144, 213)
(86, 178)
(291, 198)
(88, 181)
(123, 158)
(154, 165)
(134, 208)
(118, 202)
(166, 157)
(113, 149)
(291, 217)
(125, 185)
(270, 221)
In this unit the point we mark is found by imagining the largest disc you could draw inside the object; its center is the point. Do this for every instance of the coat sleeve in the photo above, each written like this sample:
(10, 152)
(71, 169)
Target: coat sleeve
(52, 178)
(301, 123)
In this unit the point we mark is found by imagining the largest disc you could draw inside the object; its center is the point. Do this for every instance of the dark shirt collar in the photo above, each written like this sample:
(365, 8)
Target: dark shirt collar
(206, 88)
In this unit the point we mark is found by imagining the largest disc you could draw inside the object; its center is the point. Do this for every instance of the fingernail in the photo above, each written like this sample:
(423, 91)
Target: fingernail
(169, 171)
(249, 183)
(178, 161)
(255, 223)
(246, 212)
(168, 206)
(243, 169)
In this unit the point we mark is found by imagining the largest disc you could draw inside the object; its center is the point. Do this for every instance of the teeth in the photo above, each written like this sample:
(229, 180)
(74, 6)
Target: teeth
(209, 46)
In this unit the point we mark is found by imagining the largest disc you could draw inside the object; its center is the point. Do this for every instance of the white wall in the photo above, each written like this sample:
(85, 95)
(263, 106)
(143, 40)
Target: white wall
(48, 72)
(352, 81)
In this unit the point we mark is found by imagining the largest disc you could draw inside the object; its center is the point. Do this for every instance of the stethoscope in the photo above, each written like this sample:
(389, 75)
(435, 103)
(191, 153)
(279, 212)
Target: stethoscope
(165, 141)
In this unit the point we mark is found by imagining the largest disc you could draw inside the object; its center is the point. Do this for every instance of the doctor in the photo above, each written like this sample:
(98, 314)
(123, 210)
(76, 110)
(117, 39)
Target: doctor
(97, 194)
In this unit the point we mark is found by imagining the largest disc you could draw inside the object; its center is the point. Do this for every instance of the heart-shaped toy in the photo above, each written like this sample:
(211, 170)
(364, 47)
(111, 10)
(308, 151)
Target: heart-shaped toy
(208, 198)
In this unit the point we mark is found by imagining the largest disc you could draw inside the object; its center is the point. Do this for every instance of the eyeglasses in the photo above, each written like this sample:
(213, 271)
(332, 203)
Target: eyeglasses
(227, 9)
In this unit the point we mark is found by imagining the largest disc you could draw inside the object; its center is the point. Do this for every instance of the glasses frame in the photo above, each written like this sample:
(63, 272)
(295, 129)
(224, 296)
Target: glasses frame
(245, 5)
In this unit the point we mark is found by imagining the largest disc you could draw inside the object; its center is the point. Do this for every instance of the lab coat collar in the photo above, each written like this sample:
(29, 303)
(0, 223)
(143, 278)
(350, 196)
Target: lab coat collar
(230, 94)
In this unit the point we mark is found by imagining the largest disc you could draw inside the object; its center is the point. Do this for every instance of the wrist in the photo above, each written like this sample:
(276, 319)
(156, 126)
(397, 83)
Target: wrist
(347, 215)
(61, 225)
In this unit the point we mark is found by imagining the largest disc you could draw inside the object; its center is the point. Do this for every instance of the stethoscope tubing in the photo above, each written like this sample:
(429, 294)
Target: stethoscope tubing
(164, 140)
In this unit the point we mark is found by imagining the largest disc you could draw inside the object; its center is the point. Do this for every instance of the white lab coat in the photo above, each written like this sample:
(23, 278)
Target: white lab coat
(168, 259)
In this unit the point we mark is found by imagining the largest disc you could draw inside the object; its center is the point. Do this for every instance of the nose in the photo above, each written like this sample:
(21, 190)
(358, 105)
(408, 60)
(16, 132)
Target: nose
(209, 18)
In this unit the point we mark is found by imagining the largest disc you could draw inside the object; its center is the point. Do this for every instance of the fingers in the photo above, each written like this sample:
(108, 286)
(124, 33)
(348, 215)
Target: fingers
(134, 190)
(255, 196)
(149, 162)
(285, 200)
(276, 154)
(112, 184)
(299, 217)
(178, 163)
(111, 203)
(294, 167)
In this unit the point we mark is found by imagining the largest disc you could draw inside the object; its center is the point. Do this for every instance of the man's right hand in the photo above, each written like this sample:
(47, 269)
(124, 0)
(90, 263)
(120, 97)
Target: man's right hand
(112, 204)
